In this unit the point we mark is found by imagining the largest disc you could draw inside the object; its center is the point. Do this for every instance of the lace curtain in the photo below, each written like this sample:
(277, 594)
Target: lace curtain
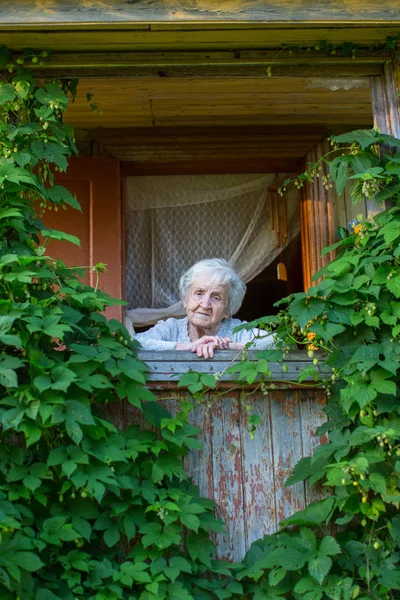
(174, 221)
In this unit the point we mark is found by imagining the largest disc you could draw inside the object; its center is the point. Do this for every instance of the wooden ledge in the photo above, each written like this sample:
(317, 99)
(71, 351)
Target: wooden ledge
(169, 366)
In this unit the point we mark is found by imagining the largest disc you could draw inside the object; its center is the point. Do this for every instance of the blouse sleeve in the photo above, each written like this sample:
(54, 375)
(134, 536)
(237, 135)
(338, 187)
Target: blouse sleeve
(162, 336)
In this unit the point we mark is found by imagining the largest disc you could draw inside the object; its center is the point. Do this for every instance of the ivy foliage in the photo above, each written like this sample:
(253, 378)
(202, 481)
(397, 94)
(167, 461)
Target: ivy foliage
(89, 511)
(86, 510)
(348, 321)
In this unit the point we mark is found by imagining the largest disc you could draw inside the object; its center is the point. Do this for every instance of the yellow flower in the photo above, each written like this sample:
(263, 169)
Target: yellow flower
(310, 335)
(359, 228)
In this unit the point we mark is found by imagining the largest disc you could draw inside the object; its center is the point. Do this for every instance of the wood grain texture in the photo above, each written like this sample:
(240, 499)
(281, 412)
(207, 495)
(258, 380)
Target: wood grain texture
(161, 102)
(246, 477)
(123, 11)
(170, 366)
(130, 38)
(318, 217)
(385, 92)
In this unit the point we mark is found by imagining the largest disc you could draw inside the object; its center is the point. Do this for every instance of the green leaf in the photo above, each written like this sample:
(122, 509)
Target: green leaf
(327, 331)
(381, 383)
(190, 521)
(178, 562)
(129, 527)
(276, 575)
(319, 567)
(315, 513)
(378, 483)
(28, 561)
(189, 378)
(11, 340)
(8, 378)
(59, 194)
(306, 309)
(22, 88)
(60, 235)
(329, 546)
(339, 168)
(111, 536)
(364, 137)
(7, 93)
(32, 483)
(393, 285)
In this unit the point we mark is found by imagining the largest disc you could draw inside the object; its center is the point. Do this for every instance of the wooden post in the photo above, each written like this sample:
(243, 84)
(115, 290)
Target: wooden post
(385, 91)
(317, 218)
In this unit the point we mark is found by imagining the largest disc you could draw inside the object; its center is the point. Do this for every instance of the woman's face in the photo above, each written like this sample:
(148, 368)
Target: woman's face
(207, 305)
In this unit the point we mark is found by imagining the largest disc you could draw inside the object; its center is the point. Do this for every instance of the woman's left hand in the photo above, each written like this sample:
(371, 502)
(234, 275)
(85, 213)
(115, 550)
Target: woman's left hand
(205, 346)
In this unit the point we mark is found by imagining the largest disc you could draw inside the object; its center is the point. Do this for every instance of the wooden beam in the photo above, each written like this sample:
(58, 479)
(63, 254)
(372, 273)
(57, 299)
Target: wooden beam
(123, 11)
(210, 167)
(212, 64)
(385, 92)
(200, 39)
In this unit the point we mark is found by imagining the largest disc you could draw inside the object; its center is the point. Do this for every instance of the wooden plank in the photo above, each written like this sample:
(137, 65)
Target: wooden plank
(227, 477)
(228, 59)
(170, 366)
(171, 39)
(287, 450)
(105, 11)
(260, 510)
(299, 356)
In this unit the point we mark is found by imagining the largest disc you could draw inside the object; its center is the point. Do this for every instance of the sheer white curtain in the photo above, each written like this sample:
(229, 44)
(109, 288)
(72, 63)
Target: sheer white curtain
(174, 221)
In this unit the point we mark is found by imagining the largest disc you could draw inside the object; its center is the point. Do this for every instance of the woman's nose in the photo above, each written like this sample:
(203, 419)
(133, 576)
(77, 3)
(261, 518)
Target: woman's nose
(206, 301)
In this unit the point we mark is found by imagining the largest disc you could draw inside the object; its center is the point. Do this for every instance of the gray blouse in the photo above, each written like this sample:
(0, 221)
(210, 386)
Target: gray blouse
(166, 334)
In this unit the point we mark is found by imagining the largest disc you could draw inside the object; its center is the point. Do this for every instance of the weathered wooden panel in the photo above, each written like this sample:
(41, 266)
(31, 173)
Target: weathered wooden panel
(125, 11)
(246, 477)
(260, 501)
(385, 92)
(285, 426)
(170, 366)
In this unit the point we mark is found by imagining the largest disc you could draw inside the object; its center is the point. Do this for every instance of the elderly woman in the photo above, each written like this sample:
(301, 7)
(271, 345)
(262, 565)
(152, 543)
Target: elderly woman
(211, 292)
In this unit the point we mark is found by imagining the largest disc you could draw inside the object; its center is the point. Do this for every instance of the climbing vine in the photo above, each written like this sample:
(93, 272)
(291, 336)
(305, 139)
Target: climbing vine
(89, 511)
(86, 510)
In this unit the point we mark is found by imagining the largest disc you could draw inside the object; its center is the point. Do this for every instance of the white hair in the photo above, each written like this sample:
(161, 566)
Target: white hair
(220, 272)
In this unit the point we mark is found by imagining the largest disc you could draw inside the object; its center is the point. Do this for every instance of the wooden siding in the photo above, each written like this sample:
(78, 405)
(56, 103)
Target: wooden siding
(245, 477)
(317, 216)
(125, 11)
(208, 102)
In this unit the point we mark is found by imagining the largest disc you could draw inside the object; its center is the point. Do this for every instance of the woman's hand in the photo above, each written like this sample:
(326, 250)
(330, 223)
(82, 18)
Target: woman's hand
(205, 346)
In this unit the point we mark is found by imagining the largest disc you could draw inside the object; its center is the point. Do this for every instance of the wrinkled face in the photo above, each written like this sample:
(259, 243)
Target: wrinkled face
(206, 305)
